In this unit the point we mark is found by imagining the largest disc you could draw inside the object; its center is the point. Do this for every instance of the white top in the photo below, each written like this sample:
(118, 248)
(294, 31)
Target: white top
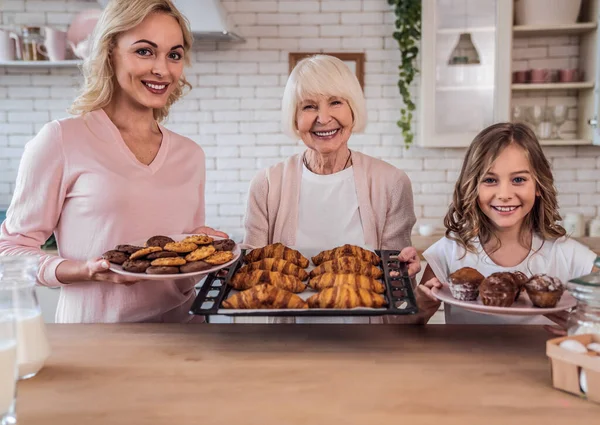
(328, 214)
(563, 258)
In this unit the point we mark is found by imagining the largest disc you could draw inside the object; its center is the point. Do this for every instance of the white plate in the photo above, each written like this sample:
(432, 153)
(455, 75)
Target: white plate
(522, 307)
(145, 276)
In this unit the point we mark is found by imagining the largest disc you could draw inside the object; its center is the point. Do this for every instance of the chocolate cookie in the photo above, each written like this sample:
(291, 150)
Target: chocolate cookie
(162, 270)
(136, 266)
(224, 245)
(128, 249)
(115, 257)
(194, 266)
(159, 240)
(161, 254)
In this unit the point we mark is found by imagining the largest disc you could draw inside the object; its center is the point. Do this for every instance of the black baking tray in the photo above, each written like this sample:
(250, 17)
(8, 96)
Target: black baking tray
(399, 293)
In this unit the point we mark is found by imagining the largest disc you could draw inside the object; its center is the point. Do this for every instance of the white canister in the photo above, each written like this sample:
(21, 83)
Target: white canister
(574, 224)
(595, 228)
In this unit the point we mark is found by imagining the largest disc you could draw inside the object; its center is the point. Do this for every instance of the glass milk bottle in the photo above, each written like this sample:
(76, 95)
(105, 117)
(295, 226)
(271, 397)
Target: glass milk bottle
(585, 318)
(19, 272)
(8, 357)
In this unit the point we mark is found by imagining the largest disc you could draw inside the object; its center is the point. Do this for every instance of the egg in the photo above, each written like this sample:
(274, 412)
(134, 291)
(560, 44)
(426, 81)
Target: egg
(594, 346)
(573, 345)
(583, 382)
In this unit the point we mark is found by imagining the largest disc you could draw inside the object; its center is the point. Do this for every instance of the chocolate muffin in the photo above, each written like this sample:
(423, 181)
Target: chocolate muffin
(520, 280)
(136, 266)
(464, 284)
(498, 290)
(544, 291)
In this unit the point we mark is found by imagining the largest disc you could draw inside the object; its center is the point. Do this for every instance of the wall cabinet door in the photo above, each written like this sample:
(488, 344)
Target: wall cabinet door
(459, 100)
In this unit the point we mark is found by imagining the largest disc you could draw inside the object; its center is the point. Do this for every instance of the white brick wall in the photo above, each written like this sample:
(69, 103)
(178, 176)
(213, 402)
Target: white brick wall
(233, 110)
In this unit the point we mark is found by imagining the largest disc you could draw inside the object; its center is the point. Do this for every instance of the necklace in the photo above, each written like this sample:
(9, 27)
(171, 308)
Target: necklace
(349, 160)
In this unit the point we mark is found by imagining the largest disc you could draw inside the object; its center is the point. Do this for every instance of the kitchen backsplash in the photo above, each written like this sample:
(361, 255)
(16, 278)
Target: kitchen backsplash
(233, 110)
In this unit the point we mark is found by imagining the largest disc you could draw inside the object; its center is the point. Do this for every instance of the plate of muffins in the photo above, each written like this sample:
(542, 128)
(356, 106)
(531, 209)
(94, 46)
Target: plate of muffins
(509, 293)
(172, 257)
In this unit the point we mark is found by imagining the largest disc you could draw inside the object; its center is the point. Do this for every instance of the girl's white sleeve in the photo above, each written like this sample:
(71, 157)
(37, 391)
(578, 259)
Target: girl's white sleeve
(438, 257)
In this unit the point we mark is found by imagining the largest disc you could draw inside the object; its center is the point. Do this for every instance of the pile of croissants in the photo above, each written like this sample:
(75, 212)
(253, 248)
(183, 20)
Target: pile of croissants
(344, 277)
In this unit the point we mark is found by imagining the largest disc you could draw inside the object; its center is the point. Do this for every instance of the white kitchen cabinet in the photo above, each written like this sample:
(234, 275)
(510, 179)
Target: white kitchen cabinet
(458, 101)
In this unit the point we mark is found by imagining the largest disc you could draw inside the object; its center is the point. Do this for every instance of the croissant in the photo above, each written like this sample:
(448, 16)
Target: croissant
(276, 265)
(241, 281)
(347, 265)
(277, 250)
(347, 251)
(328, 280)
(264, 296)
(345, 297)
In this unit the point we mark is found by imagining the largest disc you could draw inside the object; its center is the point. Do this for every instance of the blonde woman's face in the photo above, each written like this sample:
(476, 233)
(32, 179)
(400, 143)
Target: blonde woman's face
(324, 123)
(148, 61)
(507, 192)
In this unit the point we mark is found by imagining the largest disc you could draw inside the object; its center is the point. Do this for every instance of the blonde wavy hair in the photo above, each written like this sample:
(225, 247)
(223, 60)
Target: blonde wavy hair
(465, 220)
(99, 77)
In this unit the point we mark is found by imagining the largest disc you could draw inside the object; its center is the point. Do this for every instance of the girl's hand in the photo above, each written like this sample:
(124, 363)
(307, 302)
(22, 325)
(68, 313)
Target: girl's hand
(560, 319)
(210, 232)
(427, 302)
(409, 255)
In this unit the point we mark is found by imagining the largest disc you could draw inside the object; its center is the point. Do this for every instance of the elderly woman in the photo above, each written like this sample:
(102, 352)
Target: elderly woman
(329, 195)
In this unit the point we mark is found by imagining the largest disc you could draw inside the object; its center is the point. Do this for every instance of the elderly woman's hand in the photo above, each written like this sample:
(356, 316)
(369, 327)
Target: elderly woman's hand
(410, 256)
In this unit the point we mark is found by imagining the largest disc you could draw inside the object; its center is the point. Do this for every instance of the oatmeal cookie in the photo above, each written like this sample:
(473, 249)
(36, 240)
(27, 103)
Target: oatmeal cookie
(181, 247)
(201, 253)
(172, 261)
(144, 251)
(199, 239)
(220, 257)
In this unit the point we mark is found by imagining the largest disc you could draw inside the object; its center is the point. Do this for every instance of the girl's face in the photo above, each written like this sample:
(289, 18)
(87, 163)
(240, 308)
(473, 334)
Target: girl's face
(508, 190)
(324, 123)
(148, 61)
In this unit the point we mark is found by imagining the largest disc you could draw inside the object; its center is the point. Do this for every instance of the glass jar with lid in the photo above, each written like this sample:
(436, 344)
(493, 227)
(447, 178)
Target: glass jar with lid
(585, 318)
(32, 48)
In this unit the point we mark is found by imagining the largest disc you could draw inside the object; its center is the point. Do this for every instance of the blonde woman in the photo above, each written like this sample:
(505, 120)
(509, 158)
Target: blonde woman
(329, 195)
(112, 173)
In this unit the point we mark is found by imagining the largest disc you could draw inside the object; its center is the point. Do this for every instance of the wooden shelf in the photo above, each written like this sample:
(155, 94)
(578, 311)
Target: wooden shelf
(42, 64)
(535, 30)
(555, 86)
(564, 142)
(463, 88)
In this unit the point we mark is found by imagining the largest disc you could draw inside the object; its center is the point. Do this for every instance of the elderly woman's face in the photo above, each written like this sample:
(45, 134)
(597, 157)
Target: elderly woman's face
(324, 123)
(148, 60)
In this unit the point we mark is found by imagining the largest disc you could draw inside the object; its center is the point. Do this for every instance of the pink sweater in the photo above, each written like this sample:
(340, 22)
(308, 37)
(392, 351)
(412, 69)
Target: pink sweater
(78, 179)
(385, 203)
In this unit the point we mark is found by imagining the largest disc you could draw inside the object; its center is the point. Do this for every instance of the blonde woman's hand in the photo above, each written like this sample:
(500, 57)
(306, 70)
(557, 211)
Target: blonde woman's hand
(410, 256)
(92, 270)
(427, 302)
(204, 230)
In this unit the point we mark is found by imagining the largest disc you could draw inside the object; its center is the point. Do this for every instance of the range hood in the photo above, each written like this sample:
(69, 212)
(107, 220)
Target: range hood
(208, 20)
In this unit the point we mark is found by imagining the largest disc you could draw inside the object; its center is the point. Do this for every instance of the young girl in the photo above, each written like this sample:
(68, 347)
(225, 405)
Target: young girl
(503, 217)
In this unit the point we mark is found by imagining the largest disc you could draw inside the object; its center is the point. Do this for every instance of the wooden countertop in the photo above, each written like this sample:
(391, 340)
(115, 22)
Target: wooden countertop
(297, 374)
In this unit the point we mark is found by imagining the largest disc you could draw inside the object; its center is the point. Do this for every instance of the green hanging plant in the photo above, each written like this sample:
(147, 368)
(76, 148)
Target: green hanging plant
(408, 36)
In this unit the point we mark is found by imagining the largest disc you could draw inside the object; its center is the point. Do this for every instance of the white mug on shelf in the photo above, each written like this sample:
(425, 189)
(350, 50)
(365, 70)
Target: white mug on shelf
(574, 224)
(595, 228)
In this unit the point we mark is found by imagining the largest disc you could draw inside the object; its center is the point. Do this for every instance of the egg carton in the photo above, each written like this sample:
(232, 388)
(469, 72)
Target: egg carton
(573, 372)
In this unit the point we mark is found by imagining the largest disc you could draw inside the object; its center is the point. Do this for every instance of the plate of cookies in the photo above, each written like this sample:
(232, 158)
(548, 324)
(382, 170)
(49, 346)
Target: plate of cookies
(173, 257)
(506, 293)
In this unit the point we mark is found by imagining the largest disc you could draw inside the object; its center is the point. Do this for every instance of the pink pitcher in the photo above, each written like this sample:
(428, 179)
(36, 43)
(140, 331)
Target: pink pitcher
(55, 44)
(10, 46)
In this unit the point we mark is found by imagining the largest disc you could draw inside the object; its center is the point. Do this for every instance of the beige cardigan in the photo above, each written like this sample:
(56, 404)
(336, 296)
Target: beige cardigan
(385, 202)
